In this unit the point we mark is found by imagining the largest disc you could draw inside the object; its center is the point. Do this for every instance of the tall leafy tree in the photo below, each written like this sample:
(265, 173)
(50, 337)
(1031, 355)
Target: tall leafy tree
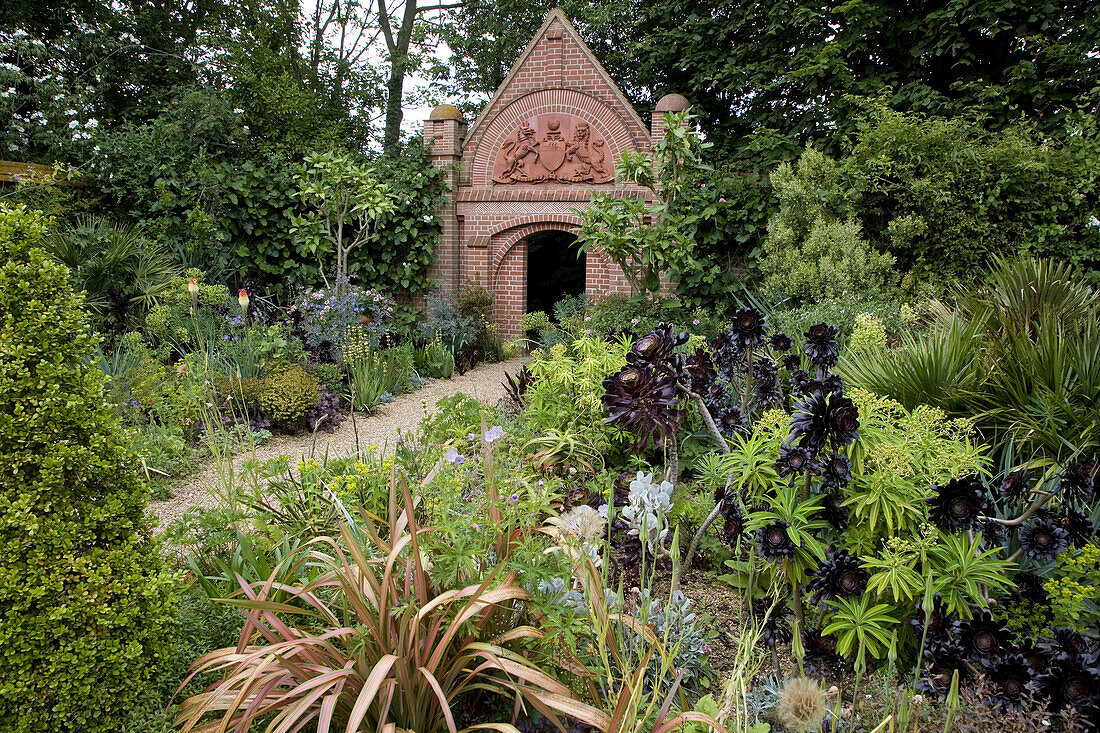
(767, 77)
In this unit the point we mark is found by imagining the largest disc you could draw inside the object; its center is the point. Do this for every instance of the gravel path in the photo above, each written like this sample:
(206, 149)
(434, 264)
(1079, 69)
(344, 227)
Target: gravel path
(404, 414)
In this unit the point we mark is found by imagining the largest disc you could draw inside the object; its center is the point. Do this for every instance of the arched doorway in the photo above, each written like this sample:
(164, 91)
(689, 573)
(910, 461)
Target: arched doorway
(554, 271)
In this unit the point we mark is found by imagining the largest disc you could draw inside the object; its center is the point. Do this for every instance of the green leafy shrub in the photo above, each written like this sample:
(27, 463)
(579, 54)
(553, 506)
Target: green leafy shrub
(84, 594)
(615, 313)
(563, 415)
(288, 394)
(476, 303)
(330, 376)
(454, 418)
(868, 333)
(169, 324)
(200, 626)
(814, 251)
(842, 313)
(727, 217)
(1074, 590)
(945, 195)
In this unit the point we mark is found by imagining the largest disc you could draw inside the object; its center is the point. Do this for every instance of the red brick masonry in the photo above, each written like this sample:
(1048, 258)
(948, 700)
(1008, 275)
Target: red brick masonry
(548, 138)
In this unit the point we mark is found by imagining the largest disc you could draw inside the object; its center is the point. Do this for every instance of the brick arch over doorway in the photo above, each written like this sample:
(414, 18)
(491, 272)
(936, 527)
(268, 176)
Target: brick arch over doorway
(509, 275)
(545, 142)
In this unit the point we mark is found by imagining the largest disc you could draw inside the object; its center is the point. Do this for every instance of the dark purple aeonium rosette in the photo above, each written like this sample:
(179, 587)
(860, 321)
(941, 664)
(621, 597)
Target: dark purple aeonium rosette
(821, 346)
(840, 575)
(833, 510)
(781, 342)
(730, 420)
(747, 327)
(733, 526)
(1042, 538)
(1077, 525)
(643, 403)
(836, 471)
(983, 637)
(701, 372)
(824, 417)
(773, 541)
(938, 620)
(1011, 679)
(1077, 483)
(657, 350)
(1071, 681)
(958, 503)
(943, 659)
(793, 461)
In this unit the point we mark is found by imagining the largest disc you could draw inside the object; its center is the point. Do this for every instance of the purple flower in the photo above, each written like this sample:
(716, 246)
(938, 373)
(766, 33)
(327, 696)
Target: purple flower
(513, 497)
(494, 433)
(471, 436)
(453, 456)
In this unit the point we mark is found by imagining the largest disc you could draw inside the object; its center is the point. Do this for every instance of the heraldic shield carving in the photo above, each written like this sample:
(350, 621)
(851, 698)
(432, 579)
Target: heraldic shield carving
(554, 148)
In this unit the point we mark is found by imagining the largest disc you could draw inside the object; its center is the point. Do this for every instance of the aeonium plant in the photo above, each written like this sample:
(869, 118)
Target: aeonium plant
(731, 381)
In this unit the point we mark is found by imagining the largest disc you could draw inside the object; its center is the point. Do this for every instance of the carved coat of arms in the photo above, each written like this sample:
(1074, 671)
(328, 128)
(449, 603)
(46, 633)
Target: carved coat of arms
(554, 148)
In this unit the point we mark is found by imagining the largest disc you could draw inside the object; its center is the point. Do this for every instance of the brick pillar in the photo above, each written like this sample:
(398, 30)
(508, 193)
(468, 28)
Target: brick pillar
(668, 103)
(444, 131)
(510, 293)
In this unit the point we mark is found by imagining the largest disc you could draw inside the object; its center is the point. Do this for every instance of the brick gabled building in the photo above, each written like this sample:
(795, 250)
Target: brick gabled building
(549, 137)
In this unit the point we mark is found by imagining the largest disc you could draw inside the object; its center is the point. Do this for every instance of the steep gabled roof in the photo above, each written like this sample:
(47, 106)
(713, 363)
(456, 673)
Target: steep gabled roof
(588, 76)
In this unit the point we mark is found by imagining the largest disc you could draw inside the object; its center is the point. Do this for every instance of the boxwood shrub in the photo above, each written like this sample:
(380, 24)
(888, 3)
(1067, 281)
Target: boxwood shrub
(83, 589)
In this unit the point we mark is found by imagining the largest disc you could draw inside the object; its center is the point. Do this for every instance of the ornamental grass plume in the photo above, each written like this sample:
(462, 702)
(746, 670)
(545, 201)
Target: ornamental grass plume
(801, 705)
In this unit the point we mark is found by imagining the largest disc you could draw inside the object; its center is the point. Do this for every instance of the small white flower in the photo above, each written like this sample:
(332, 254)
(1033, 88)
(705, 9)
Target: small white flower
(74, 124)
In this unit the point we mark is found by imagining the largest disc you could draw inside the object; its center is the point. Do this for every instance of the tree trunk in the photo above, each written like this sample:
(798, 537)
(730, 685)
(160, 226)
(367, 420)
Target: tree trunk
(394, 113)
(399, 59)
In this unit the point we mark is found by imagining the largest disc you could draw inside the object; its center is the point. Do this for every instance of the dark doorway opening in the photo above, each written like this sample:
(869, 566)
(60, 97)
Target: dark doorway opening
(553, 270)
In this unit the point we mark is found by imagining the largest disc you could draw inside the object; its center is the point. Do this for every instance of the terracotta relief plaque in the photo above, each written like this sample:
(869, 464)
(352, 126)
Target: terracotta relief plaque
(554, 148)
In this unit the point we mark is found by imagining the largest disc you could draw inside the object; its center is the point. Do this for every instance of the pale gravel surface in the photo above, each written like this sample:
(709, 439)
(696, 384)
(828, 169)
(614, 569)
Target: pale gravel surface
(403, 414)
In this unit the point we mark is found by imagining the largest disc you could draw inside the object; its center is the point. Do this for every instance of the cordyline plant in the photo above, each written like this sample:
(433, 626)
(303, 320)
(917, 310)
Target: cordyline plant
(370, 645)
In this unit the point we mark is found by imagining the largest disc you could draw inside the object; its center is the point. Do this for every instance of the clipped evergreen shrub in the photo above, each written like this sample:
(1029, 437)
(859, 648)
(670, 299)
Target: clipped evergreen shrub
(83, 589)
(288, 394)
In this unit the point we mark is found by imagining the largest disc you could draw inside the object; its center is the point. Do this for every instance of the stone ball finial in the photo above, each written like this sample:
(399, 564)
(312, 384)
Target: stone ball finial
(672, 103)
(446, 112)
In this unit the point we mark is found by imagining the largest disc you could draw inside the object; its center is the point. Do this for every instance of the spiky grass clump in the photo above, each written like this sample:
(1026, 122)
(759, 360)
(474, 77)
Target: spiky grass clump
(801, 705)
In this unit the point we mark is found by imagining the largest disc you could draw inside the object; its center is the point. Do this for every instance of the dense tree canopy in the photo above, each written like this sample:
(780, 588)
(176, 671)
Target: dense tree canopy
(767, 77)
